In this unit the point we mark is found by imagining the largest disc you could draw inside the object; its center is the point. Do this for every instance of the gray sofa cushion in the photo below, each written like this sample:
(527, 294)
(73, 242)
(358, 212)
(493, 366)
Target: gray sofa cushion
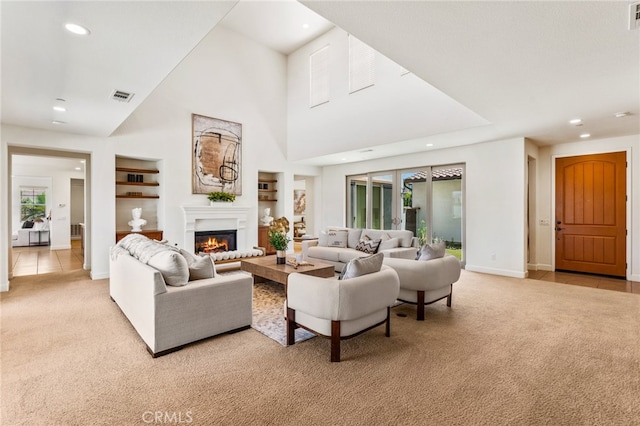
(172, 265)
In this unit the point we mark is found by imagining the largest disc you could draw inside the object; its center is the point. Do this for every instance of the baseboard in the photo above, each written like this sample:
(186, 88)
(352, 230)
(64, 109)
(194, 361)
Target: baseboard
(495, 271)
(99, 276)
(61, 247)
(4, 286)
(634, 277)
(539, 267)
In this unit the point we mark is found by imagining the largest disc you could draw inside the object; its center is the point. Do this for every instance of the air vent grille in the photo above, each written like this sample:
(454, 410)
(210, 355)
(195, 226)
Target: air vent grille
(634, 16)
(120, 96)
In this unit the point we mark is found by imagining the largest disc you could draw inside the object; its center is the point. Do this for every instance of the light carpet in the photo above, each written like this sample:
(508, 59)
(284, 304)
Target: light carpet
(508, 352)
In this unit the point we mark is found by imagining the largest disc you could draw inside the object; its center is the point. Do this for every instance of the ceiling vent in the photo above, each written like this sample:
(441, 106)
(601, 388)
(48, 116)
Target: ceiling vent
(634, 16)
(120, 96)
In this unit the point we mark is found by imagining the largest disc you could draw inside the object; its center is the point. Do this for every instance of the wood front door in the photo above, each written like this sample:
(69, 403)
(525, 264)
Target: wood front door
(590, 225)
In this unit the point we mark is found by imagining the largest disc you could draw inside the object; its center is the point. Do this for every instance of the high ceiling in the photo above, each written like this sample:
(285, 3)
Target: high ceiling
(526, 67)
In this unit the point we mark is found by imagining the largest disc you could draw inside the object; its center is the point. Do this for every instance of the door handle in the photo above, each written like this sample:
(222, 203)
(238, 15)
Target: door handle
(559, 229)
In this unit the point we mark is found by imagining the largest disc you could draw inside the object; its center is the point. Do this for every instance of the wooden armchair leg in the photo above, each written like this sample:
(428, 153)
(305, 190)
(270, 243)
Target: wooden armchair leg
(335, 341)
(291, 326)
(420, 306)
(388, 325)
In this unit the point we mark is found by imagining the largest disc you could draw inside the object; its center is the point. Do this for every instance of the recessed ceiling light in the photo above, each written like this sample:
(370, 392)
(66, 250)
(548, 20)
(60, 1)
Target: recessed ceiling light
(343, 159)
(78, 168)
(429, 144)
(305, 26)
(585, 135)
(58, 122)
(77, 29)
(83, 161)
(59, 108)
(622, 114)
(575, 121)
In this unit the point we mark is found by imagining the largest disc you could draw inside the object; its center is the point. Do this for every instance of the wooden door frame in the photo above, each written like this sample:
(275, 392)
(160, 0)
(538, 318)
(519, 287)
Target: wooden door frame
(554, 157)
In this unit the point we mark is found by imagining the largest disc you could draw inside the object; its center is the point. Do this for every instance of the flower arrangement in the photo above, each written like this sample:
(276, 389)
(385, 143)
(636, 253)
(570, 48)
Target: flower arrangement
(221, 196)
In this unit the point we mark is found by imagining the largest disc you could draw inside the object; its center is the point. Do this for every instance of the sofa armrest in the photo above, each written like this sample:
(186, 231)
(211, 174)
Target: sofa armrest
(401, 252)
(305, 246)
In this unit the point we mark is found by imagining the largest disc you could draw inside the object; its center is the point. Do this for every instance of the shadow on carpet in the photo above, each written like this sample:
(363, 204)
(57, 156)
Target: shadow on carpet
(268, 313)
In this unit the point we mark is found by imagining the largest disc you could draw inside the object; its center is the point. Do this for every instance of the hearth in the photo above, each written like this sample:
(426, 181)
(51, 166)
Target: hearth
(215, 241)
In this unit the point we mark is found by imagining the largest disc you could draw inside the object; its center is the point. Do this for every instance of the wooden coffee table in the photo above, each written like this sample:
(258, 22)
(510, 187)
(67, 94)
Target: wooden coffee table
(265, 268)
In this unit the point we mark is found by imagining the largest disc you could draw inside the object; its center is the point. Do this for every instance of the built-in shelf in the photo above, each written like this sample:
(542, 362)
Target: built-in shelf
(138, 183)
(133, 170)
(137, 196)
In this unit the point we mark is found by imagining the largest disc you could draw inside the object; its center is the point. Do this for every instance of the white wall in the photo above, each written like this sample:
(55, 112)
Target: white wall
(226, 76)
(545, 251)
(494, 199)
(397, 108)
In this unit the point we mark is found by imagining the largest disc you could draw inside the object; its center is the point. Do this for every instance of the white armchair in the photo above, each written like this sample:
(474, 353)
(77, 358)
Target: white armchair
(340, 309)
(423, 282)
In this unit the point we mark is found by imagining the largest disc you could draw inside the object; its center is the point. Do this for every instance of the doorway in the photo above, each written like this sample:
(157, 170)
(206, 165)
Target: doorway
(60, 167)
(590, 222)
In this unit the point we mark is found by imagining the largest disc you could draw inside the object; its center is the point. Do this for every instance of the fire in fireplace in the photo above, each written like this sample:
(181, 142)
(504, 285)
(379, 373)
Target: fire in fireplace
(215, 241)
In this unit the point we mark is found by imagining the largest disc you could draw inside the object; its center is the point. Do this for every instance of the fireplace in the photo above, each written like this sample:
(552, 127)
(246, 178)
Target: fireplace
(215, 241)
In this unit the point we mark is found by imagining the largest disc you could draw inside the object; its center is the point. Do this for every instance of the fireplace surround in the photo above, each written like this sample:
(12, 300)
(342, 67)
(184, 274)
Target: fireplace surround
(216, 218)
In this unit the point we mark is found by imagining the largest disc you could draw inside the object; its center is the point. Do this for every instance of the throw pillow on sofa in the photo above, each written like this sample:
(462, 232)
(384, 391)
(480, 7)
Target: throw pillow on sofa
(172, 265)
(432, 251)
(333, 239)
(200, 267)
(362, 266)
(391, 243)
(367, 245)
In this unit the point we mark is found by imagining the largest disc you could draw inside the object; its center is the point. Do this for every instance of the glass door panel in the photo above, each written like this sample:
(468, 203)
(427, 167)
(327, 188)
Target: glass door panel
(414, 199)
(382, 203)
(357, 207)
(447, 207)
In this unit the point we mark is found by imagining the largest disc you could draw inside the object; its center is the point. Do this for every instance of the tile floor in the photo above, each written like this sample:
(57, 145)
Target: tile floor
(41, 260)
(587, 280)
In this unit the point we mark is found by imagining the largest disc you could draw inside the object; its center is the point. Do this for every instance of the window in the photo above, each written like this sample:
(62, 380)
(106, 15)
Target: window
(319, 77)
(362, 65)
(33, 202)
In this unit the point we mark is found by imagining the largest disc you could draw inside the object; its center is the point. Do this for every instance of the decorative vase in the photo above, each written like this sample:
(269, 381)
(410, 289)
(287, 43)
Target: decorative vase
(281, 257)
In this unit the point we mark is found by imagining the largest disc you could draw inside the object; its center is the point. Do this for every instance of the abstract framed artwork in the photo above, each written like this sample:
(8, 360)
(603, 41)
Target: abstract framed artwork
(299, 202)
(217, 155)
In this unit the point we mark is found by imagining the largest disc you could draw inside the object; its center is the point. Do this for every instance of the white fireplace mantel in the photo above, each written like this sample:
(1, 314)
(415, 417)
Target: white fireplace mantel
(220, 216)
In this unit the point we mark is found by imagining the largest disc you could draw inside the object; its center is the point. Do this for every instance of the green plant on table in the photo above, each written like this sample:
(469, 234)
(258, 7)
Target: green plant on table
(278, 239)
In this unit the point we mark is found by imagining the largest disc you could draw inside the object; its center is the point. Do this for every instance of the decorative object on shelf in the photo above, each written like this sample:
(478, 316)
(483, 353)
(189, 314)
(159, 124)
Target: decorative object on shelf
(299, 201)
(279, 238)
(216, 155)
(267, 218)
(137, 222)
(221, 197)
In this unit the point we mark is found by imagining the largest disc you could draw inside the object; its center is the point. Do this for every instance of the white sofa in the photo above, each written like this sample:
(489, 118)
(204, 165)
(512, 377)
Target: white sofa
(24, 237)
(394, 243)
(169, 317)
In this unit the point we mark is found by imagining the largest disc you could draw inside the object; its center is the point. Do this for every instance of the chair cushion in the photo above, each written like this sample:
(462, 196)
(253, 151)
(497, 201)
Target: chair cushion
(362, 266)
(432, 251)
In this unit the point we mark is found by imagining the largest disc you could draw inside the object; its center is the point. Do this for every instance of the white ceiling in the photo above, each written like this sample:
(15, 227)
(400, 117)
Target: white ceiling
(526, 67)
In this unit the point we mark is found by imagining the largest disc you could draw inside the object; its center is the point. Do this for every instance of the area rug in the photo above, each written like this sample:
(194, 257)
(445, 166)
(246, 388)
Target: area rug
(268, 313)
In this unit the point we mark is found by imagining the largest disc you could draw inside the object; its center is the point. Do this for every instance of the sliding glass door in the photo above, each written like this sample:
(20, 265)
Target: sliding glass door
(428, 201)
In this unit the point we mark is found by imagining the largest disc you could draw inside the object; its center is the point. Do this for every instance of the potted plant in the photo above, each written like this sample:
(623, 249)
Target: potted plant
(280, 241)
(221, 197)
